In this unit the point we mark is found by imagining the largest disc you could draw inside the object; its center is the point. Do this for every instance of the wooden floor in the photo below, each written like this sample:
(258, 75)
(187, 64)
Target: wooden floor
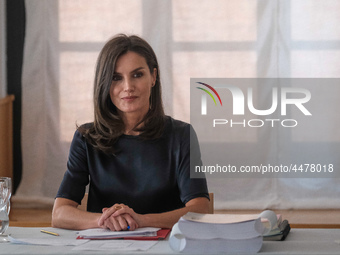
(297, 218)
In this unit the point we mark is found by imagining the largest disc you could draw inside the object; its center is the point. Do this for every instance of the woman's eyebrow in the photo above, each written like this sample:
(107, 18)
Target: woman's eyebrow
(137, 69)
(133, 71)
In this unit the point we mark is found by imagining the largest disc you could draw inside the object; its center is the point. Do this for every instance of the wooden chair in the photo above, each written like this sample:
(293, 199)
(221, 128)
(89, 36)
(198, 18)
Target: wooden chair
(211, 203)
(83, 204)
(6, 136)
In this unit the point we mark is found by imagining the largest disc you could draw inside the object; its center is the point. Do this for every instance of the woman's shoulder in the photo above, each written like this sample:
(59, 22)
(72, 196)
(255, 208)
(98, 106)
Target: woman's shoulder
(177, 127)
(86, 125)
(81, 131)
(175, 124)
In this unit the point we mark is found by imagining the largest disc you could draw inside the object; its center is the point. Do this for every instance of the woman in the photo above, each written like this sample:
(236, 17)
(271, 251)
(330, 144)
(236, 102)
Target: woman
(136, 159)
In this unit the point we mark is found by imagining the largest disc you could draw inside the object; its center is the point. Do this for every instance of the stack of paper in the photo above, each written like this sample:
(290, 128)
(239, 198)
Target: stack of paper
(220, 233)
(137, 234)
(100, 233)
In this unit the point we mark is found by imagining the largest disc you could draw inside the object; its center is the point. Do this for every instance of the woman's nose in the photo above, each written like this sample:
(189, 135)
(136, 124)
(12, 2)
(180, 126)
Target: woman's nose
(128, 85)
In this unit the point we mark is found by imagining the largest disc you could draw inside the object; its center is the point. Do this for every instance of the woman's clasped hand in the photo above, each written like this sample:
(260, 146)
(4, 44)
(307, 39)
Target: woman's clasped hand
(119, 217)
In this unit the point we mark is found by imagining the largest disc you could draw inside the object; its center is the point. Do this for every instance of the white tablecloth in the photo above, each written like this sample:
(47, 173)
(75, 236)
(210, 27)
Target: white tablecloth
(299, 241)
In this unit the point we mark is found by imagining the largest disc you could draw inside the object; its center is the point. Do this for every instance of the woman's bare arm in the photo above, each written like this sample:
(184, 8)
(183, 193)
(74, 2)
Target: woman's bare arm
(66, 215)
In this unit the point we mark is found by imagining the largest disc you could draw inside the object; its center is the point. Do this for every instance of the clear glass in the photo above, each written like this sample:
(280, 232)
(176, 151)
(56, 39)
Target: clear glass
(5, 206)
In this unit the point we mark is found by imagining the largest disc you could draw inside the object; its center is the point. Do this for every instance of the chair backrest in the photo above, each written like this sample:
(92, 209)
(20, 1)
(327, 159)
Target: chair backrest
(6, 136)
(83, 205)
(211, 203)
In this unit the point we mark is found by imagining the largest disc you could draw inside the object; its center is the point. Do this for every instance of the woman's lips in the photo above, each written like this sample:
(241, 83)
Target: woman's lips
(129, 98)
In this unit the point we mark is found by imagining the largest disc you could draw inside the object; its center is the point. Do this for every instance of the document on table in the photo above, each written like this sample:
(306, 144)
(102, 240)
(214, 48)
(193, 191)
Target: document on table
(117, 245)
(97, 233)
(57, 241)
(83, 245)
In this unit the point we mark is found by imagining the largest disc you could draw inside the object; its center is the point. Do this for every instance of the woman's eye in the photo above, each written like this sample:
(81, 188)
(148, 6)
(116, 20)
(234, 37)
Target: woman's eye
(137, 75)
(116, 78)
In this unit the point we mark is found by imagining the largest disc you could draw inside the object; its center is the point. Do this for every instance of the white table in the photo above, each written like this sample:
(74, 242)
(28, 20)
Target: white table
(299, 241)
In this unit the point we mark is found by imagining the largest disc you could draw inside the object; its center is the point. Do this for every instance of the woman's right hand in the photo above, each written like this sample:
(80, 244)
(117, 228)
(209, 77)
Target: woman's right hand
(116, 223)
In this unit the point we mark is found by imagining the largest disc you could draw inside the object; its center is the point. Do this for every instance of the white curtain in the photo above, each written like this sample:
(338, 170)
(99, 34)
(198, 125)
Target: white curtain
(192, 39)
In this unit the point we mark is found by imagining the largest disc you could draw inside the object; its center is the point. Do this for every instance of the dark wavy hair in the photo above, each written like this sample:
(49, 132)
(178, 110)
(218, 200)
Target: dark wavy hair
(108, 126)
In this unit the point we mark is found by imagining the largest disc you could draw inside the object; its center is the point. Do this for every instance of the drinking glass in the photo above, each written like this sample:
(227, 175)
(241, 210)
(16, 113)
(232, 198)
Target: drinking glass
(5, 195)
(7, 191)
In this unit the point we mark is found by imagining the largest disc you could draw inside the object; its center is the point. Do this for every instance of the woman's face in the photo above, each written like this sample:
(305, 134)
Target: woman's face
(131, 85)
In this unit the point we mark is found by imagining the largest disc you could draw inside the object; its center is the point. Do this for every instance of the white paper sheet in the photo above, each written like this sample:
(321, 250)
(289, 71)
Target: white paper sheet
(272, 219)
(219, 218)
(116, 245)
(100, 232)
(55, 241)
(268, 215)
